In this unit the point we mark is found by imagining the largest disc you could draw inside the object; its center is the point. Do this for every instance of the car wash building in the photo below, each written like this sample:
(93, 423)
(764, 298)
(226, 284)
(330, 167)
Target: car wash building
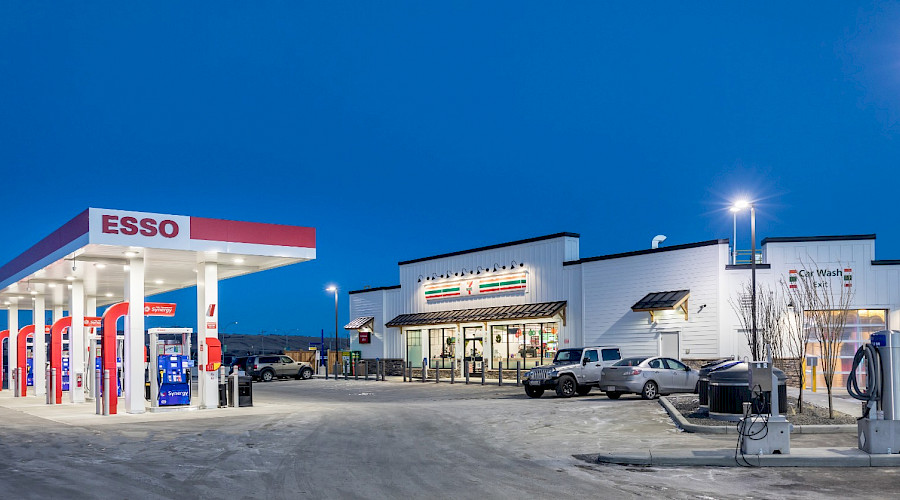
(113, 259)
(520, 302)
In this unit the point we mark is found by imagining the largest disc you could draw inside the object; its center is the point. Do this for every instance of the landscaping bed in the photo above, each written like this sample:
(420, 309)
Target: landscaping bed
(689, 406)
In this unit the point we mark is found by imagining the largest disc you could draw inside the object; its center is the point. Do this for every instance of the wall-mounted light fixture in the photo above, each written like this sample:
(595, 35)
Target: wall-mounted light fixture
(420, 278)
(479, 270)
(463, 272)
(512, 264)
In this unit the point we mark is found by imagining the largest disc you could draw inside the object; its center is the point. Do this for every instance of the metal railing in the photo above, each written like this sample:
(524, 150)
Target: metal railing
(745, 256)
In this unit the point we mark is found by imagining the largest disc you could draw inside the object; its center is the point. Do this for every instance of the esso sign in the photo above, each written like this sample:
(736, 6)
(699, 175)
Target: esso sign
(139, 229)
(130, 226)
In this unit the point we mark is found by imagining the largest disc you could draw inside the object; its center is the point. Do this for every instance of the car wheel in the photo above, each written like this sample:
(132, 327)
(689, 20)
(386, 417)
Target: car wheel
(533, 392)
(306, 373)
(566, 386)
(613, 394)
(651, 390)
(583, 390)
(267, 376)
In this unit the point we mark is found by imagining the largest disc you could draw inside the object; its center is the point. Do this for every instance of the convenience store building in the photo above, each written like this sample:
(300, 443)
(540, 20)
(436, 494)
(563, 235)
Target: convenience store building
(520, 302)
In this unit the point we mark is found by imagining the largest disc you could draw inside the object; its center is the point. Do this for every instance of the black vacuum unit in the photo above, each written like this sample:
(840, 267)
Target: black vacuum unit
(729, 389)
(703, 384)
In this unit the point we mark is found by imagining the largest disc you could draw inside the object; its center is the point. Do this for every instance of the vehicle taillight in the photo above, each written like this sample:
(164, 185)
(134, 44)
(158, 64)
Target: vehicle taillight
(255, 366)
(636, 371)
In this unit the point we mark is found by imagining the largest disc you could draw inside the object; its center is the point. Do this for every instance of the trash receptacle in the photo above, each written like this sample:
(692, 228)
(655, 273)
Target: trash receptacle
(223, 395)
(245, 392)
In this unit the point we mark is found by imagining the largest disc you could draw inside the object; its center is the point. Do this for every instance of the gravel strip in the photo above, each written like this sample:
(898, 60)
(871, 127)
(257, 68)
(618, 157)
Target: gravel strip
(689, 406)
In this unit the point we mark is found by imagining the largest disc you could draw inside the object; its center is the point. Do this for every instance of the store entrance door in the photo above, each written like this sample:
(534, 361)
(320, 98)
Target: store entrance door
(474, 354)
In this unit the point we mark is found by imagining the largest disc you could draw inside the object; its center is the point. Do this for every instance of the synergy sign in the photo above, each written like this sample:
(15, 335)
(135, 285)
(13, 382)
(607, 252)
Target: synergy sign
(478, 286)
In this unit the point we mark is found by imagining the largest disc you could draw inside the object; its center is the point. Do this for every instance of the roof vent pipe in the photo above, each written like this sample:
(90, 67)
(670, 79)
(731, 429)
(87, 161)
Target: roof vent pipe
(659, 238)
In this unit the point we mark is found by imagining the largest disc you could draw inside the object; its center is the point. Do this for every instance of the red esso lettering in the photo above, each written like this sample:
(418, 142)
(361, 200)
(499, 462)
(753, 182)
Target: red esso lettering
(131, 226)
(168, 228)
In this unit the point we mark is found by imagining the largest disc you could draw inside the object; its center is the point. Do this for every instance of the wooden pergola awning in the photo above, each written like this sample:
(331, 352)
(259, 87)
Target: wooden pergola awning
(663, 301)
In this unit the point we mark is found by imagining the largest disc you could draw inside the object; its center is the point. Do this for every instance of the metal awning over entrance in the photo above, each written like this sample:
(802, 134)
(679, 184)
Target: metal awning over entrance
(518, 312)
(360, 322)
(663, 301)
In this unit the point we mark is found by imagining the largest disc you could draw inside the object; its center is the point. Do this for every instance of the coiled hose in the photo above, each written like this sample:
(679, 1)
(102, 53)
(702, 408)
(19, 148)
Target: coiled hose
(872, 392)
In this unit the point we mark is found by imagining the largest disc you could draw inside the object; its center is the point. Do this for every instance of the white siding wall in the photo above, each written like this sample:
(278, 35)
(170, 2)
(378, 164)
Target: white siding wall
(543, 263)
(368, 304)
(612, 286)
(394, 343)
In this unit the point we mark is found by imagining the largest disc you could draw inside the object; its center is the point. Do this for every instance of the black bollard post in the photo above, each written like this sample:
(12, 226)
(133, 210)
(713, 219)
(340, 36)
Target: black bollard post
(500, 373)
(518, 373)
(452, 372)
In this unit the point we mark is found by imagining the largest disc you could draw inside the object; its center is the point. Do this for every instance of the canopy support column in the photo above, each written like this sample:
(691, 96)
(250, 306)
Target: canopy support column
(39, 353)
(133, 354)
(13, 350)
(76, 342)
(207, 328)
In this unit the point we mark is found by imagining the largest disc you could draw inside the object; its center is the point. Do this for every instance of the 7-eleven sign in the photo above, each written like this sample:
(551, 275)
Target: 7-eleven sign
(848, 277)
(792, 278)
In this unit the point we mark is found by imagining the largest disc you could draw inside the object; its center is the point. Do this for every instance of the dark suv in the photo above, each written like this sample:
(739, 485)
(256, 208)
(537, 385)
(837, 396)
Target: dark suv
(268, 367)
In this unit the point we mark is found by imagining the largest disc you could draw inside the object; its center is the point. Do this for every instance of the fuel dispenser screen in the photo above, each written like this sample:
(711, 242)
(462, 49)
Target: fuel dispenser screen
(174, 381)
(65, 373)
(29, 377)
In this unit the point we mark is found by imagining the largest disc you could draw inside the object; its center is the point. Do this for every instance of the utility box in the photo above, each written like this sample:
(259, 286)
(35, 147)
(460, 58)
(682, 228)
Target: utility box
(878, 436)
(765, 438)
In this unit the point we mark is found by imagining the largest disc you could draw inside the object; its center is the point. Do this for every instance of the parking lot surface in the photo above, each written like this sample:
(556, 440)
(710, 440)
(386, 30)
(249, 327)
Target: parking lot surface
(357, 439)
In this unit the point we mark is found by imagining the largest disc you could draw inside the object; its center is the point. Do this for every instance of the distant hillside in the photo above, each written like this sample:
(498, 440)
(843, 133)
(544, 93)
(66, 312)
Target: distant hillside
(240, 345)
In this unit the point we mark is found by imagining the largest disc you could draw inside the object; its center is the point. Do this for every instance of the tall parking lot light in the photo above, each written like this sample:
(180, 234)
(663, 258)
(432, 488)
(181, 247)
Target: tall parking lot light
(738, 206)
(334, 289)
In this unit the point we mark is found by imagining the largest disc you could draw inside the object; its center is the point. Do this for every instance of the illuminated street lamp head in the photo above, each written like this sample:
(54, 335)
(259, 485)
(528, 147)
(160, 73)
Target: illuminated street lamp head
(331, 288)
(740, 205)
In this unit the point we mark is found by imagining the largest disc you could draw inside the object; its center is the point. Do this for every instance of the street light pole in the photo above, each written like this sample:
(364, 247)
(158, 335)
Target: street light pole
(738, 206)
(734, 212)
(753, 279)
(334, 289)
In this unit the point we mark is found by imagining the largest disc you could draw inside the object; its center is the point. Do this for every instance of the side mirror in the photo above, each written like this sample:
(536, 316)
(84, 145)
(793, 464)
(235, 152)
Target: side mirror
(584, 362)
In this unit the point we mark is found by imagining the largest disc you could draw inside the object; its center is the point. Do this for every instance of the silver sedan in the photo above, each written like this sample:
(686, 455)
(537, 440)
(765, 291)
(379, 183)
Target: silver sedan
(649, 377)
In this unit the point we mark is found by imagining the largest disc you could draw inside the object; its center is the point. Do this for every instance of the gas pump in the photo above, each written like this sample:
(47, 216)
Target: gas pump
(29, 361)
(879, 429)
(170, 384)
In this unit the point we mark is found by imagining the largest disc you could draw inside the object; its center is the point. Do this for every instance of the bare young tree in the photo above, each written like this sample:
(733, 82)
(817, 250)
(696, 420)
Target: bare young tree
(824, 296)
(796, 338)
(770, 308)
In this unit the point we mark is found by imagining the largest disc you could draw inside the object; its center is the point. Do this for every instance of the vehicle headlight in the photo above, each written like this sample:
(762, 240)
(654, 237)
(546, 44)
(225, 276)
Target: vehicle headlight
(553, 374)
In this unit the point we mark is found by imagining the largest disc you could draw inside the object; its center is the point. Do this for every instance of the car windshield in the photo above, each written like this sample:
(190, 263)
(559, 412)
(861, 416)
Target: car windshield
(630, 362)
(567, 356)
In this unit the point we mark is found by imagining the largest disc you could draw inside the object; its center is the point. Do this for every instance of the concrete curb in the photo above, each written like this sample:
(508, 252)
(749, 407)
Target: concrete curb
(686, 426)
(800, 457)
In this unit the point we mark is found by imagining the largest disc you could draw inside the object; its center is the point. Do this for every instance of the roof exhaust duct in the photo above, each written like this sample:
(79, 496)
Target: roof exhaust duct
(659, 238)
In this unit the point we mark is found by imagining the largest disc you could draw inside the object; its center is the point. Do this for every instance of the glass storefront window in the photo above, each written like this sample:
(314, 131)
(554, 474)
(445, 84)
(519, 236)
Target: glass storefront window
(414, 347)
(442, 347)
(530, 344)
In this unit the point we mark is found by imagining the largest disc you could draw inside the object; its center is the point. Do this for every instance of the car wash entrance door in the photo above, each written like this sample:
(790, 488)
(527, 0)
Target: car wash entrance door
(473, 350)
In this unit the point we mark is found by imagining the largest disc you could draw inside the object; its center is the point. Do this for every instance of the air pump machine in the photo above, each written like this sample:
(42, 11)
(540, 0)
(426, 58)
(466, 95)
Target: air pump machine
(879, 427)
(760, 433)
(170, 381)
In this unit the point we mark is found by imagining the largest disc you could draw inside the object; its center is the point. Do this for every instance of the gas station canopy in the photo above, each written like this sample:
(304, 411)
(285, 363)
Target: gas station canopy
(96, 246)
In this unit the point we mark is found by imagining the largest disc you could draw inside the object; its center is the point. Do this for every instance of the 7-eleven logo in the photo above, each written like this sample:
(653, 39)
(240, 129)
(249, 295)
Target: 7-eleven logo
(792, 278)
(848, 277)
(469, 286)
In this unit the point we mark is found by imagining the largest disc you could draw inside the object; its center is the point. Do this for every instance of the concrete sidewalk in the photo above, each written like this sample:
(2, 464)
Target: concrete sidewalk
(726, 457)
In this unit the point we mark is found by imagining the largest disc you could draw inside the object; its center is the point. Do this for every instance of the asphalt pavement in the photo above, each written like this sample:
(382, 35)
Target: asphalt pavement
(367, 439)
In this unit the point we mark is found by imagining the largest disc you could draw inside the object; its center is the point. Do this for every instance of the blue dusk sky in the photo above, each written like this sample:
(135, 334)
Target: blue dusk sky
(405, 129)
